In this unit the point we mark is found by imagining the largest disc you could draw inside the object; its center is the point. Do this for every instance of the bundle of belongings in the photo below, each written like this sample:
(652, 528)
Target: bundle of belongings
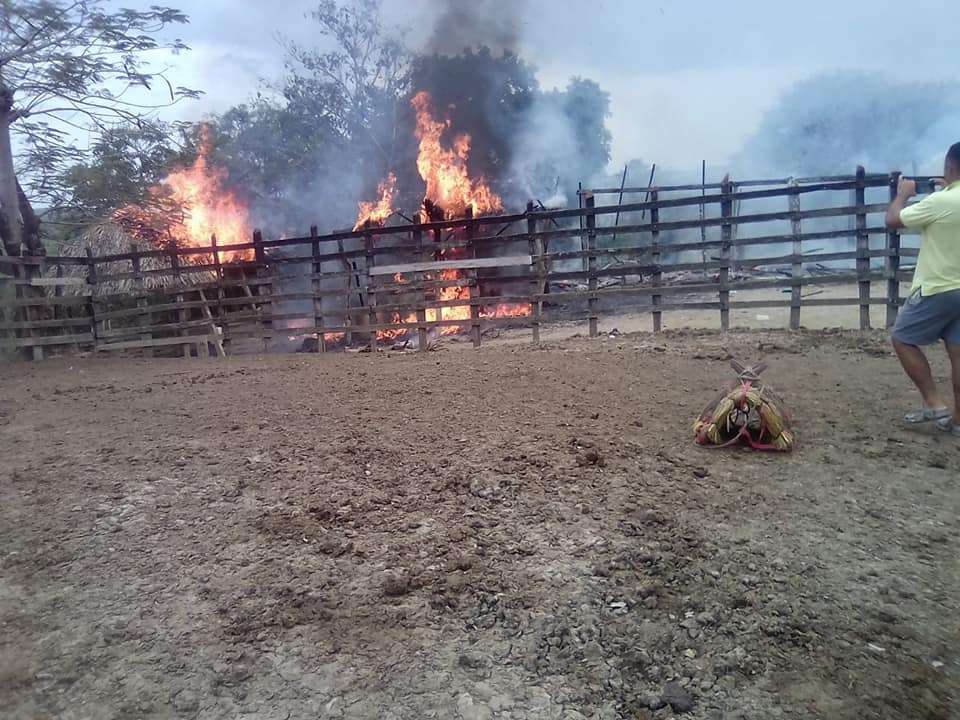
(747, 413)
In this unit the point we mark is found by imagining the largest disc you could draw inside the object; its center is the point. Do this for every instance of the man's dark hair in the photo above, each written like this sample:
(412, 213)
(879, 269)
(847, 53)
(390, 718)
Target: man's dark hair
(953, 155)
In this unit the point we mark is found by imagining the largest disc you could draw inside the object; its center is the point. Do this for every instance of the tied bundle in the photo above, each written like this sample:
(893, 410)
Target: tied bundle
(748, 413)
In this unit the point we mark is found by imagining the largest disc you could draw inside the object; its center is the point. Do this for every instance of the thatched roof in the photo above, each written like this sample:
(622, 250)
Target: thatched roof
(108, 238)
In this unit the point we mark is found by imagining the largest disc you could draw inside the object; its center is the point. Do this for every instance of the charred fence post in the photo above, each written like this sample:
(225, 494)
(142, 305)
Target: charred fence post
(371, 296)
(218, 273)
(317, 290)
(592, 299)
(536, 304)
(471, 233)
(92, 283)
(351, 276)
(655, 299)
(423, 255)
(893, 262)
(796, 266)
(143, 317)
(726, 244)
(178, 298)
(863, 250)
(260, 271)
(34, 309)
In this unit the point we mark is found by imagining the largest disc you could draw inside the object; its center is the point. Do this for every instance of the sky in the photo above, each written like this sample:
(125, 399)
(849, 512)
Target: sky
(689, 80)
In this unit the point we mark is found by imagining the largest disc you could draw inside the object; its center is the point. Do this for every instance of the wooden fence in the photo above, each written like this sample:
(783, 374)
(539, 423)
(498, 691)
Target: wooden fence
(663, 248)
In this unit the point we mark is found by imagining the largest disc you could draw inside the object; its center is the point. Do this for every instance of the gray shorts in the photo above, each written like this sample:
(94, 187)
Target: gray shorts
(925, 320)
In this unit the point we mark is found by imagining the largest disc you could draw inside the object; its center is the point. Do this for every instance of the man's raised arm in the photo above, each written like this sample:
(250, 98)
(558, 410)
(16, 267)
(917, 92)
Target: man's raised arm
(906, 189)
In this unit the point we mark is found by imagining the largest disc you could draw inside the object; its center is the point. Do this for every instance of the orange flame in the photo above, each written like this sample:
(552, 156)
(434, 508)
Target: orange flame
(445, 171)
(377, 212)
(208, 209)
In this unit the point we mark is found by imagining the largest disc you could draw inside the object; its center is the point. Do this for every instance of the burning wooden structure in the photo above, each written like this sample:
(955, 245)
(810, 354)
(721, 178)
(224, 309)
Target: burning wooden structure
(381, 282)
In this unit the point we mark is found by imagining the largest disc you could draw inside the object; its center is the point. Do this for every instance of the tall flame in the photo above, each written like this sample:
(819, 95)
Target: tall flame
(377, 211)
(450, 194)
(449, 185)
(207, 208)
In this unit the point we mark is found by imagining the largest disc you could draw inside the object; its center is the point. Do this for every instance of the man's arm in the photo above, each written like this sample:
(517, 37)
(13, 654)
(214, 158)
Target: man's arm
(906, 189)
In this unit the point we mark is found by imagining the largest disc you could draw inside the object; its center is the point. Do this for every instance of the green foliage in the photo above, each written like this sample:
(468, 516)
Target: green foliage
(77, 66)
(125, 162)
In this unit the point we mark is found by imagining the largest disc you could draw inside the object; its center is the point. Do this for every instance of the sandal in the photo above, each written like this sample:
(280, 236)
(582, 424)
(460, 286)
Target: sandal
(925, 415)
(947, 425)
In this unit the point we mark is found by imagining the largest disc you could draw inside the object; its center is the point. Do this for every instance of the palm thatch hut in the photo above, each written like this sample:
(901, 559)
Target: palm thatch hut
(156, 273)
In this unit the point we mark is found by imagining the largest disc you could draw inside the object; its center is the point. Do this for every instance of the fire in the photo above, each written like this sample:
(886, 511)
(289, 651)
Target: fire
(449, 185)
(450, 193)
(205, 208)
(377, 212)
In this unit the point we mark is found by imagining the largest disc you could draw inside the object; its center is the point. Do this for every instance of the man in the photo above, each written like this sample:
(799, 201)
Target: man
(932, 312)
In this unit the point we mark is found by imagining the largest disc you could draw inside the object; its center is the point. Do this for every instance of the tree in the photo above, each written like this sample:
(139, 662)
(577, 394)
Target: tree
(69, 66)
(124, 164)
(353, 89)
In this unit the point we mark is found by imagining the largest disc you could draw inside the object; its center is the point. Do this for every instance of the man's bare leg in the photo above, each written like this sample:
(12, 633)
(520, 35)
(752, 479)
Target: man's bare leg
(954, 352)
(918, 369)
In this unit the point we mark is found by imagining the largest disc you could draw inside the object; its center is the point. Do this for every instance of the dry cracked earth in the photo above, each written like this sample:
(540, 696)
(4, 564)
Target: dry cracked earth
(514, 532)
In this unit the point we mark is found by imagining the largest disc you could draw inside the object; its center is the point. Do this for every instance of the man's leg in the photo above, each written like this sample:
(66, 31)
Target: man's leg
(918, 369)
(954, 352)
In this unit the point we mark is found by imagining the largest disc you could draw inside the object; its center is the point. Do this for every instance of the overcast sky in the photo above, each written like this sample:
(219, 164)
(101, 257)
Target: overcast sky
(688, 79)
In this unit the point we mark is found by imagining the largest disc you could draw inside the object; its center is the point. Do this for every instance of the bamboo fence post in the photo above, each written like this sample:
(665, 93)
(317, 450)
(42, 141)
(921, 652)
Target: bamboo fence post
(371, 297)
(796, 267)
(143, 318)
(422, 335)
(181, 314)
(726, 242)
(863, 250)
(655, 299)
(893, 262)
(593, 300)
(317, 290)
(92, 283)
(475, 275)
(535, 304)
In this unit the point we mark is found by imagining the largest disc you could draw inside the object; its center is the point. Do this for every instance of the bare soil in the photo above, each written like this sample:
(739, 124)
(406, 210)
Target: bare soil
(514, 532)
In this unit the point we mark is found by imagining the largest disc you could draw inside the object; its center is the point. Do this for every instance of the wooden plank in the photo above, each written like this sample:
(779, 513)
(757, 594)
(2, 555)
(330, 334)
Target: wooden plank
(46, 340)
(182, 315)
(591, 226)
(371, 298)
(421, 285)
(726, 237)
(464, 264)
(535, 246)
(863, 249)
(716, 287)
(656, 299)
(796, 267)
(141, 301)
(152, 343)
(173, 327)
(892, 264)
(315, 275)
(55, 323)
(470, 232)
(45, 282)
(45, 301)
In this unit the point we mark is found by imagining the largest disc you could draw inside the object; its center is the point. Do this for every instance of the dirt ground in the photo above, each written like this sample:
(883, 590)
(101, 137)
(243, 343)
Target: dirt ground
(513, 532)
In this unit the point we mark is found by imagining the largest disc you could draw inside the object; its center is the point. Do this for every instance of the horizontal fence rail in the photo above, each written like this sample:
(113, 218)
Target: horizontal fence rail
(409, 283)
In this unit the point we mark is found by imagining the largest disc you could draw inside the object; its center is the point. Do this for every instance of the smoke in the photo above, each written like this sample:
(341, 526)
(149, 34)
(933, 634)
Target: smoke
(463, 24)
(830, 123)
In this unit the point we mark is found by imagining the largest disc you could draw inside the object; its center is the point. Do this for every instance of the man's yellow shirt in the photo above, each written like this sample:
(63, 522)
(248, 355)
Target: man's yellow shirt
(937, 216)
